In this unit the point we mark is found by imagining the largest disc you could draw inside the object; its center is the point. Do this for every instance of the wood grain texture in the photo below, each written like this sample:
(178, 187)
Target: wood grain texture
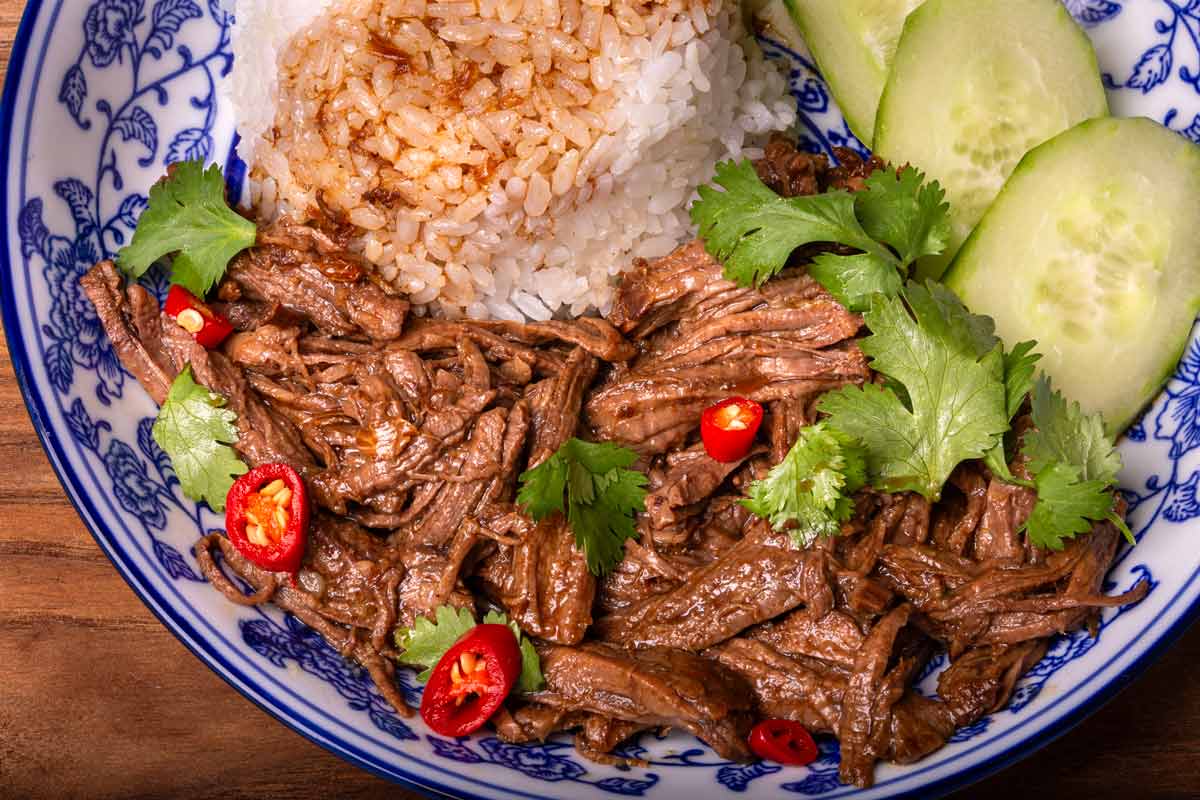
(98, 701)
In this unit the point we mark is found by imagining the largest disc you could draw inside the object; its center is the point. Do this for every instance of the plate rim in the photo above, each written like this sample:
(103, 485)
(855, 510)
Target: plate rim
(247, 687)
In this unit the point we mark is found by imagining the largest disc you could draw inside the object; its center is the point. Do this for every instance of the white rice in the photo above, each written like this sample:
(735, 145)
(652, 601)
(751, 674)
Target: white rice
(594, 165)
(262, 29)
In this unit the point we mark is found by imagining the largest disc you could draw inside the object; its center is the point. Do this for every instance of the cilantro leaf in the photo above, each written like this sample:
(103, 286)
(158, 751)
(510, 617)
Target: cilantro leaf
(602, 526)
(531, 679)
(904, 212)
(996, 460)
(427, 641)
(195, 430)
(1075, 466)
(187, 215)
(895, 220)
(953, 406)
(753, 231)
(1065, 434)
(944, 316)
(812, 486)
(601, 497)
(542, 488)
(1066, 506)
(1018, 365)
(853, 279)
(600, 457)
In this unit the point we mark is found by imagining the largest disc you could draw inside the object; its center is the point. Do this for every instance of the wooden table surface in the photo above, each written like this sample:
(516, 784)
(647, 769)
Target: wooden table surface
(98, 700)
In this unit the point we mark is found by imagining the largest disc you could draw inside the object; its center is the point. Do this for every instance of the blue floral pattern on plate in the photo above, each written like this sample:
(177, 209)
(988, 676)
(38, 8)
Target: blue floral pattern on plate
(545, 762)
(291, 641)
(132, 86)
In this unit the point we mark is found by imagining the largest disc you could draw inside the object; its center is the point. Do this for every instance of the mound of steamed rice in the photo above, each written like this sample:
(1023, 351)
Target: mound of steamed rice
(498, 158)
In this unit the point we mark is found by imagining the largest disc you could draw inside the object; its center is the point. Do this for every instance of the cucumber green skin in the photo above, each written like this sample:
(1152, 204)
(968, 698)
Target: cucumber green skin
(1118, 386)
(898, 116)
(855, 78)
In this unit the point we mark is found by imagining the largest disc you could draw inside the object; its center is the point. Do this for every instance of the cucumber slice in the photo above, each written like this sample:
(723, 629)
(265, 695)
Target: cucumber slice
(975, 85)
(1091, 249)
(853, 42)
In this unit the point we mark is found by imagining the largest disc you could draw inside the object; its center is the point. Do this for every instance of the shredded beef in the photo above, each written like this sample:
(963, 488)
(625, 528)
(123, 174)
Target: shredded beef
(759, 578)
(130, 318)
(543, 580)
(655, 686)
(411, 434)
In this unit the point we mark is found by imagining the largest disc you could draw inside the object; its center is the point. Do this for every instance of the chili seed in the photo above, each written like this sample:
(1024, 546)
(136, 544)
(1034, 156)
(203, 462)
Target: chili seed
(273, 488)
(731, 418)
(467, 659)
(190, 320)
(255, 534)
(284, 495)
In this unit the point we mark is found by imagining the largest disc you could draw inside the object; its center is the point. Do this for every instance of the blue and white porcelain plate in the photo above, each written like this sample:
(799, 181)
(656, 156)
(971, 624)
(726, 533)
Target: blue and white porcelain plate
(102, 94)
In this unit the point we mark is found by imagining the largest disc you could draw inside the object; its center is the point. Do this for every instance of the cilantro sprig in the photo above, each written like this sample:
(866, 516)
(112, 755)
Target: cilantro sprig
(1066, 506)
(811, 489)
(425, 643)
(1065, 434)
(951, 394)
(1018, 366)
(1075, 467)
(592, 485)
(196, 431)
(187, 215)
(897, 219)
(945, 401)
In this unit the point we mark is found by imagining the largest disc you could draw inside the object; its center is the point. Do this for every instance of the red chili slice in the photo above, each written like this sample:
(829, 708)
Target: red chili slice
(728, 428)
(266, 517)
(471, 680)
(783, 741)
(194, 316)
